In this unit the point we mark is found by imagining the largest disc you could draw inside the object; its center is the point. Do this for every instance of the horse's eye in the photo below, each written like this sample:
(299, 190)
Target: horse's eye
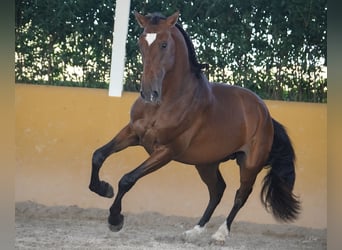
(163, 45)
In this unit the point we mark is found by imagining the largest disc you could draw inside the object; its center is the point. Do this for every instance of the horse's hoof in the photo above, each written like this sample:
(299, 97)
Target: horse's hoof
(108, 190)
(115, 224)
(193, 234)
(221, 235)
(103, 189)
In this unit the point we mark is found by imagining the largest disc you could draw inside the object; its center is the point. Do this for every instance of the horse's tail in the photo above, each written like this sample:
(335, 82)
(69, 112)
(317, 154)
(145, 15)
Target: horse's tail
(276, 192)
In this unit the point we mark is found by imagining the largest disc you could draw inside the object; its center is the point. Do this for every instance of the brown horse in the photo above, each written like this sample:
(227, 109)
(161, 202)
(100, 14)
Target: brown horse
(181, 116)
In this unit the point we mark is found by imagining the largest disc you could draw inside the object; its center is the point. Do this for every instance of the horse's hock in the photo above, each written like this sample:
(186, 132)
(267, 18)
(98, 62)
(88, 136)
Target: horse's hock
(58, 128)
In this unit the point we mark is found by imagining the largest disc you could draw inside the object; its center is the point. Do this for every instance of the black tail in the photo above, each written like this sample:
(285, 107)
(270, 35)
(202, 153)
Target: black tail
(276, 193)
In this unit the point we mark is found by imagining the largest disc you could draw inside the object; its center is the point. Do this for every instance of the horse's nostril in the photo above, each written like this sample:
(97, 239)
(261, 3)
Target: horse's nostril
(155, 94)
(149, 96)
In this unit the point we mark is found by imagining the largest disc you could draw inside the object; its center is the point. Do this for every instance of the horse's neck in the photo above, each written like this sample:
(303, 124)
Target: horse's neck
(185, 85)
(181, 81)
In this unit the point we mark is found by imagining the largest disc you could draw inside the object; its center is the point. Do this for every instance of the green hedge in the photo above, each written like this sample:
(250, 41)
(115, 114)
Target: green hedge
(276, 48)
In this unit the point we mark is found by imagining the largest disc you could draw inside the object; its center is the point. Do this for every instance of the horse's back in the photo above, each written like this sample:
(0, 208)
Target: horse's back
(241, 101)
(233, 93)
(238, 102)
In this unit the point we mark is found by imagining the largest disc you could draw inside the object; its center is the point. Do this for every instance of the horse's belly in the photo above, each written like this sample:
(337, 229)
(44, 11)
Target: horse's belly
(201, 157)
(210, 150)
(215, 139)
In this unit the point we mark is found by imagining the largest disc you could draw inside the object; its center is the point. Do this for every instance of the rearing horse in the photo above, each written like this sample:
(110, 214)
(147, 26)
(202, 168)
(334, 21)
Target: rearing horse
(181, 116)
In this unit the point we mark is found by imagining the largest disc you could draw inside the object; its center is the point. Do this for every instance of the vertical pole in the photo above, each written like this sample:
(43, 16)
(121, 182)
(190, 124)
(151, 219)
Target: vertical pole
(119, 47)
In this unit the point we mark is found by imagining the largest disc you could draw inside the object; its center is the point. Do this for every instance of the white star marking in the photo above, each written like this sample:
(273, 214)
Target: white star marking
(150, 38)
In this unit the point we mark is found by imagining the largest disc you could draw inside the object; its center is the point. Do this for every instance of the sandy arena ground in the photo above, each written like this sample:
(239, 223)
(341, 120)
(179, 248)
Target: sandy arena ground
(71, 227)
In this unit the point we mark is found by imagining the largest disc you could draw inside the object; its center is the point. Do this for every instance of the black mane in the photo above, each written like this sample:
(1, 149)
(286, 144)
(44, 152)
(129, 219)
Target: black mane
(196, 67)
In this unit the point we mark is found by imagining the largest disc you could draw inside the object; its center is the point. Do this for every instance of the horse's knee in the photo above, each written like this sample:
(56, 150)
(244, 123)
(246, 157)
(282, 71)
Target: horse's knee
(126, 182)
(98, 158)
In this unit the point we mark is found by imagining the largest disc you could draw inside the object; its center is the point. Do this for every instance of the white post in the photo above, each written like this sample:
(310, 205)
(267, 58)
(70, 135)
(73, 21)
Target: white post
(119, 47)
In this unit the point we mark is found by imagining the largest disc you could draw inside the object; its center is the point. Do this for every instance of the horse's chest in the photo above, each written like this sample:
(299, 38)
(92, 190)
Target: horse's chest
(150, 133)
(159, 126)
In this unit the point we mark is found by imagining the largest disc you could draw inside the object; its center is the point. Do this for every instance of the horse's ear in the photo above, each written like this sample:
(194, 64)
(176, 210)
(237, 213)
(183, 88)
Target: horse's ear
(172, 20)
(142, 20)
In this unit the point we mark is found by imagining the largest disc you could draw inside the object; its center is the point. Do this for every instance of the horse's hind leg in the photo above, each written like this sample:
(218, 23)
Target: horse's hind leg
(211, 176)
(125, 138)
(249, 170)
(247, 179)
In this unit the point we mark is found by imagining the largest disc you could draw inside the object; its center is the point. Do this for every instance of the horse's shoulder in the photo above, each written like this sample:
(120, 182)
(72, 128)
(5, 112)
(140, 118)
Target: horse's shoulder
(140, 109)
(137, 109)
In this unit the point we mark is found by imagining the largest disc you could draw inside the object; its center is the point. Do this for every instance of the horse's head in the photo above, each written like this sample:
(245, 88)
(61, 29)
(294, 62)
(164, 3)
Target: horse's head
(157, 48)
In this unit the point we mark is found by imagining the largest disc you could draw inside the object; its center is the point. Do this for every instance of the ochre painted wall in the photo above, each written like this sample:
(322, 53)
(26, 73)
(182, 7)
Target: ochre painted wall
(58, 128)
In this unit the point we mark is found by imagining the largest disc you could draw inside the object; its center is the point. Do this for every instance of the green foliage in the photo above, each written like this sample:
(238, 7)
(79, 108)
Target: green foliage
(276, 48)
(53, 36)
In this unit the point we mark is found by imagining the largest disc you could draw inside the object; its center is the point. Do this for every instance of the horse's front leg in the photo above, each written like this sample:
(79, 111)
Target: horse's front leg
(125, 138)
(157, 159)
